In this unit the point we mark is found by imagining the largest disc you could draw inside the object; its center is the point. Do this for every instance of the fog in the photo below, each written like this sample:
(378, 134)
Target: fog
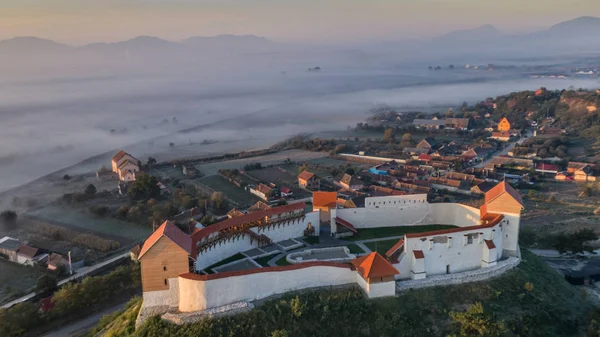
(61, 109)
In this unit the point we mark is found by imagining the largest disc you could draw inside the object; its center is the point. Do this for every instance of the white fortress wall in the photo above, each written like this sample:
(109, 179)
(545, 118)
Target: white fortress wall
(224, 250)
(290, 230)
(161, 298)
(453, 214)
(511, 224)
(199, 295)
(406, 210)
(451, 250)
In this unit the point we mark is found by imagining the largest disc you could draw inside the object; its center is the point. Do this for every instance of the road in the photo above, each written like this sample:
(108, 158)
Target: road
(82, 326)
(80, 273)
(506, 150)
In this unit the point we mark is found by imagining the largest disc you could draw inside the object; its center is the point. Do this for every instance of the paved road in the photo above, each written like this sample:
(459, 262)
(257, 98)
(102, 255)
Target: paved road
(80, 273)
(81, 327)
(506, 150)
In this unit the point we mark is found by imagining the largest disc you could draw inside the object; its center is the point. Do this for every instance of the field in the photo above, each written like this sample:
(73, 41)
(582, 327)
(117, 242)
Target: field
(114, 229)
(280, 178)
(236, 194)
(17, 280)
(382, 232)
(271, 159)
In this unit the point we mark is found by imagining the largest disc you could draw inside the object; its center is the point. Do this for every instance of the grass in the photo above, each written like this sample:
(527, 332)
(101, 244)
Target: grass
(550, 308)
(16, 279)
(236, 194)
(82, 221)
(119, 323)
(282, 262)
(355, 249)
(381, 246)
(311, 240)
(263, 261)
(230, 259)
(383, 232)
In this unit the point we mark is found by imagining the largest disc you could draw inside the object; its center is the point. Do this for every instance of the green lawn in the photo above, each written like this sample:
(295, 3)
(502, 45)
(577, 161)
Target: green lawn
(381, 246)
(355, 249)
(230, 259)
(282, 262)
(263, 261)
(383, 232)
(311, 240)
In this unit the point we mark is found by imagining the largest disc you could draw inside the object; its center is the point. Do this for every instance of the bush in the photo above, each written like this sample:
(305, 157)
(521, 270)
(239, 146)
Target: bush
(90, 190)
(99, 210)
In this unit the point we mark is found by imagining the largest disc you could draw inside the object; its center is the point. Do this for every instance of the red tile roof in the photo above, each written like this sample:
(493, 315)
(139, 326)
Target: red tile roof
(27, 251)
(324, 199)
(173, 233)
(346, 224)
(198, 277)
(490, 244)
(373, 266)
(247, 218)
(119, 155)
(546, 167)
(424, 156)
(305, 175)
(395, 248)
(418, 254)
(490, 220)
(500, 189)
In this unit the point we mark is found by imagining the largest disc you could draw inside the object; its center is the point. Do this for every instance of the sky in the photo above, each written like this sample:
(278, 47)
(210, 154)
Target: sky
(83, 21)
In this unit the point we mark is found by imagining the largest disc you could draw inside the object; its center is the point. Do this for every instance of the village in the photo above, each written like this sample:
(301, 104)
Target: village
(374, 206)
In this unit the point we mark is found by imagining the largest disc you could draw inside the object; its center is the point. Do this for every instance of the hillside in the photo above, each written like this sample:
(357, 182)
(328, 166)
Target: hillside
(551, 307)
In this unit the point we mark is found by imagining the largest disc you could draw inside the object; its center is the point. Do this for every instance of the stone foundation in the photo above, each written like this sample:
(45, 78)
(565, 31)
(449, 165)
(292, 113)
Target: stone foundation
(181, 318)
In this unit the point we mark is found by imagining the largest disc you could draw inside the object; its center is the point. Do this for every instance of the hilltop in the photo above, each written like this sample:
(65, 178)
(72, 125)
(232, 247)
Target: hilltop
(531, 300)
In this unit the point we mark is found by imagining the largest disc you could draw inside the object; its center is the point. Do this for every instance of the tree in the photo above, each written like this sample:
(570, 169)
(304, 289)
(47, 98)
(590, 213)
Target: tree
(574, 243)
(406, 138)
(302, 168)
(218, 200)
(8, 217)
(475, 322)
(389, 135)
(151, 161)
(350, 171)
(144, 187)
(90, 190)
(46, 284)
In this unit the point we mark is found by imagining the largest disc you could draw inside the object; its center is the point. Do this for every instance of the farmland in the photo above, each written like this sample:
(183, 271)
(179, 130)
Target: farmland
(12, 286)
(234, 193)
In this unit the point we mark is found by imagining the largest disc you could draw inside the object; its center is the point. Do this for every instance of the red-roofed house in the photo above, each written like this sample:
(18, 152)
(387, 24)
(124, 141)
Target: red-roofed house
(125, 166)
(309, 180)
(546, 168)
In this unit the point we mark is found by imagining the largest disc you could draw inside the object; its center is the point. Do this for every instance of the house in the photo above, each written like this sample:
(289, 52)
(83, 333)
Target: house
(56, 260)
(427, 143)
(508, 162)
(258, 206)
(324, 202)
(286, 192)
(504, 125)
(437, 124)
(546, 168)
(125, 166)
(28, 255)
(501, 136)
(449, 185)
(309, 180)
(581, 171)
(8, 248)
(350, 182)
(263, 191)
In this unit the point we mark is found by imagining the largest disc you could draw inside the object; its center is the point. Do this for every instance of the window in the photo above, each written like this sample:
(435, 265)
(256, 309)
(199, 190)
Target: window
(165, 281)
(165, 268)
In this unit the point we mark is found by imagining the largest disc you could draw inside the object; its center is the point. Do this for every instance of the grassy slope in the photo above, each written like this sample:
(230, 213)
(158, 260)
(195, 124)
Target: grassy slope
(552, 308)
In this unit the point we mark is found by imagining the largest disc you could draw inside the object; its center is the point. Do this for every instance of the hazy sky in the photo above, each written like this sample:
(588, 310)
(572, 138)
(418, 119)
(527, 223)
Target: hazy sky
(83, 21)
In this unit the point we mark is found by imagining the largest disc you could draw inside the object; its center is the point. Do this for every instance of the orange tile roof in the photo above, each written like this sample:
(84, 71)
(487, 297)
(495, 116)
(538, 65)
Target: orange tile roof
(244, 219)
(305, 175)
(324, 199)
(373, 266)
(500, 189)
(418, 254)
(346, 224)
(173, 233)
(395, 248)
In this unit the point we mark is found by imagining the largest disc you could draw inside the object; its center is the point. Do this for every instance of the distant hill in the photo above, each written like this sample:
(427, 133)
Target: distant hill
(138, 44)
(229, 42)
(31, 44)
(583, 26)
(476, 34)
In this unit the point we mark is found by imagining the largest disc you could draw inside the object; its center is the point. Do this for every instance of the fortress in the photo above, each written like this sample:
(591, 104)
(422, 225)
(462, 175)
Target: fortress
(176, 277)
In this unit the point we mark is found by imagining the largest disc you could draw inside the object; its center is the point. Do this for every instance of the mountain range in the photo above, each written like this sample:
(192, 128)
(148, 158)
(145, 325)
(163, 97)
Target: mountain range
(576, 29)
